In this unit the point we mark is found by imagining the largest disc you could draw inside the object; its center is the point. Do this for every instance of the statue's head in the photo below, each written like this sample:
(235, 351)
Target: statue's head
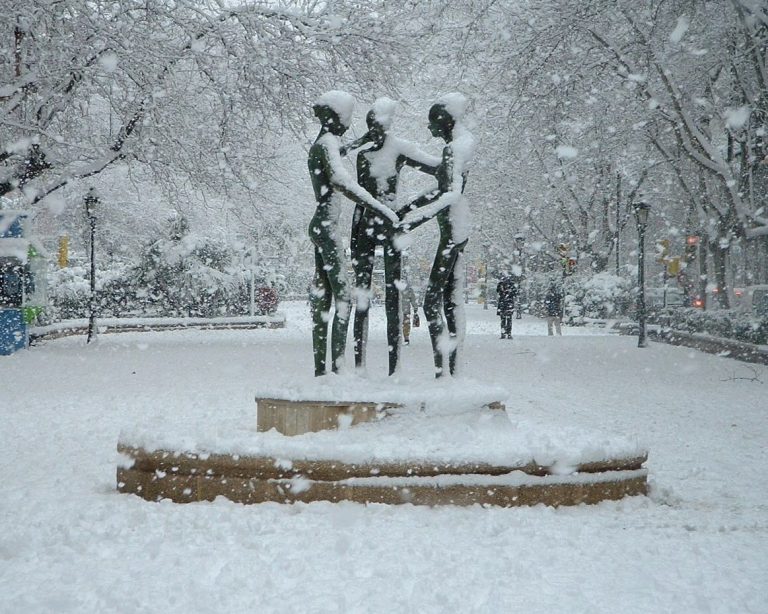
(376, 130)
(445, 113)
(379, 119)
(329, 119)
(440, 122)
(334, 110)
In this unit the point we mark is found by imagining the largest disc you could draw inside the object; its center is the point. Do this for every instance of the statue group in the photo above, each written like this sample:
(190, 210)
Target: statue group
(377, 221)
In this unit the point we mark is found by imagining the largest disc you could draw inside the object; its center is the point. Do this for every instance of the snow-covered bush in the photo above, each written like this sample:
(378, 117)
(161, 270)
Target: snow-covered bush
(728, 324)
(182, 274)
(597, 296)
(68, 293)
(601, 296)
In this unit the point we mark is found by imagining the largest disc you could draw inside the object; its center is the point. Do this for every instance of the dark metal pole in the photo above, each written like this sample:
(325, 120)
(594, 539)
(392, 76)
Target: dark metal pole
(487, 266)
(90, 203)
(618, 222)
(641, 340)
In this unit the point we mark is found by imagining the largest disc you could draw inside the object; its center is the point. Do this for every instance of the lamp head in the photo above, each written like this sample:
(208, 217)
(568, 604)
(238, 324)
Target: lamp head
(642, 209)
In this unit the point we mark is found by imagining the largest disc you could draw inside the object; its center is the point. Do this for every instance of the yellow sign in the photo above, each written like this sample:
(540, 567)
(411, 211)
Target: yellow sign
(673, 266)
(63, 251)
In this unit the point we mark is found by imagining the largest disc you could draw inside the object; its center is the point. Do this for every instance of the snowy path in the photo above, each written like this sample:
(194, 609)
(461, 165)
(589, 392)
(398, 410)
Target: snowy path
(69, 543)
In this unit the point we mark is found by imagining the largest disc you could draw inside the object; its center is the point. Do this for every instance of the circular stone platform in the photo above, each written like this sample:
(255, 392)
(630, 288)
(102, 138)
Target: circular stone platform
(185, 477)
(424, 454)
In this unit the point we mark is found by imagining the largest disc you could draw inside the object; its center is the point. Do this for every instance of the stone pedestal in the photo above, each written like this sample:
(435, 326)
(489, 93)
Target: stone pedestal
(416, 455)
(299, 417)
(185, 477)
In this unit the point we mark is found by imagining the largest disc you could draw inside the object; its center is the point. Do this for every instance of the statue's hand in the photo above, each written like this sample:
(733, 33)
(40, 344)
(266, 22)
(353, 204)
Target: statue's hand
(401, 228)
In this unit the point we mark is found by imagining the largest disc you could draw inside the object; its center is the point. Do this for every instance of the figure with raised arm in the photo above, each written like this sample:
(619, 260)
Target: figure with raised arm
(330, 182)
(443, 306)
(381, 157)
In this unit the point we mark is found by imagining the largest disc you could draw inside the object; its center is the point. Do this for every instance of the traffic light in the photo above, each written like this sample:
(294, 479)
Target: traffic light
(691, 247)
(570, 265)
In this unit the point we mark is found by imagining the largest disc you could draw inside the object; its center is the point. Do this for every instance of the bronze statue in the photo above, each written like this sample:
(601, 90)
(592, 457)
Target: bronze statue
(330, 180)
(442, 299)
(378, 169)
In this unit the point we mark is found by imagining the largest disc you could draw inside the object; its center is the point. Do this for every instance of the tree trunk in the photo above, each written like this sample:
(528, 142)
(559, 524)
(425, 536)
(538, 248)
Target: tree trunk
(703, 269)
(720, 250)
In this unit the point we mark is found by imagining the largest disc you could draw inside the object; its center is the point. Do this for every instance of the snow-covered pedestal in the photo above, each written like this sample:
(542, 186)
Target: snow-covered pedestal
(435, 444)
(291, 417)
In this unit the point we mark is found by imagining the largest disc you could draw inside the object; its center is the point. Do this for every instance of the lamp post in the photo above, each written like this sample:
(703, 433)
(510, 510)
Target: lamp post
(91, 199)
(641, 217)
(520, 244)
(487, 249)
(249, 261)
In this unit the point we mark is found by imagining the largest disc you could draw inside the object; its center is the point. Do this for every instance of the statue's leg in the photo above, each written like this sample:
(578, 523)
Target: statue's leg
(453, 304)
(392, 272)
(363, 250)
(335, 266)
(433, 298)
(320, 296)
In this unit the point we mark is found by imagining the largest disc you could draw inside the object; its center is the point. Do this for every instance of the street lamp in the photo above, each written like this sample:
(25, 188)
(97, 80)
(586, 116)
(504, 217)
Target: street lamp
(641, 217)
(487, 250)
(91, 200)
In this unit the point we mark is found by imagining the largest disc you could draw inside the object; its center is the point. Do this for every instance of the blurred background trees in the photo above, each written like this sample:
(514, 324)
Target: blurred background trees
(201, 109)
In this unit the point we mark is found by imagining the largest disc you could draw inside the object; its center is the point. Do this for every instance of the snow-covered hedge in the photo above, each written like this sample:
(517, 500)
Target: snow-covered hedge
(727, 324)
(184, 275)
(603, 295)
(599, 296)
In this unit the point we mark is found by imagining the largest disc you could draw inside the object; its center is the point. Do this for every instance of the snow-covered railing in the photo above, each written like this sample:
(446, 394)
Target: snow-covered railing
(118, 325)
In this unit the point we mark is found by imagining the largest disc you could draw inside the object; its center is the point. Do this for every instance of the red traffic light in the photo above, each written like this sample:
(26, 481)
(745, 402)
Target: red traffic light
(692, 240)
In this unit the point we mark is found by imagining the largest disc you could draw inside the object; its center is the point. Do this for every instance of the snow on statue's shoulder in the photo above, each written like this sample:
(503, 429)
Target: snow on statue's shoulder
(341, 102)
(463, 145)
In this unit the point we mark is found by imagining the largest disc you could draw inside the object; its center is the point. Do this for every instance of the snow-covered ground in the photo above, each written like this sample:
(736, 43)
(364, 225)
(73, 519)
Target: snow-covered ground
(70, 543)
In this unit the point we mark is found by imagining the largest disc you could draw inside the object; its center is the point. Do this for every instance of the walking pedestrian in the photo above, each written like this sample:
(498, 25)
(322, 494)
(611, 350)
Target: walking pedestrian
(553, 307)
(409, 302)
(506, 290)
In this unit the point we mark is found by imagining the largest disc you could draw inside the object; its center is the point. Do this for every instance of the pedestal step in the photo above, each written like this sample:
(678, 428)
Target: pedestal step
(185, 477)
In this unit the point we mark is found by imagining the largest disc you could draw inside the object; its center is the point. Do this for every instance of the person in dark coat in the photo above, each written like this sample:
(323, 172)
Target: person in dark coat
(553, 307)
(506, 290)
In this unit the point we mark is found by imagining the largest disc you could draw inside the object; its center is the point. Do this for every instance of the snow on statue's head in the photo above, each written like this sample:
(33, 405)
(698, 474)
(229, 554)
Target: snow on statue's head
(456, 104)
(382, 112)
(341, 104)
(446, 113)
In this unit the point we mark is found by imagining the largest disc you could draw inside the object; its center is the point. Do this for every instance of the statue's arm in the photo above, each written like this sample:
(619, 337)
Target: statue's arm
(342, 181)
(426, 207)
(414, 157)
(426, 212)
(422, 200)
(356, 144)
